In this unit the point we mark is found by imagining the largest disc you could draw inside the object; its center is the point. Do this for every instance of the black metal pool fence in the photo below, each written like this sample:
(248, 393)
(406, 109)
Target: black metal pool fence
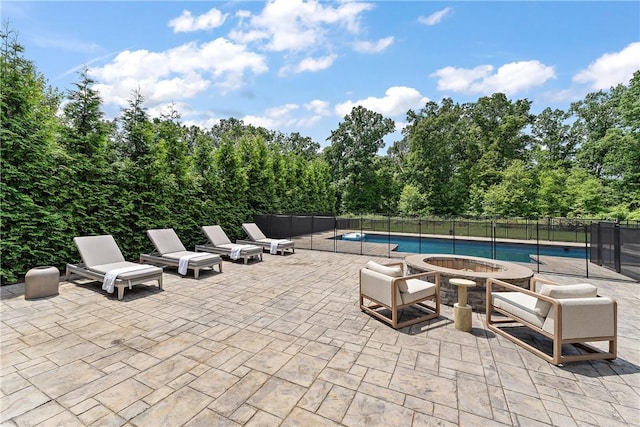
(615, 246)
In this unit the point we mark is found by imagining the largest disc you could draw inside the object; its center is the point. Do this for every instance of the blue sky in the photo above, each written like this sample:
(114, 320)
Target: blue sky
(300, 66)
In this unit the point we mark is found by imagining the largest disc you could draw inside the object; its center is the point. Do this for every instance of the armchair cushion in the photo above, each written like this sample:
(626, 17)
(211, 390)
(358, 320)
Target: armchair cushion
(383, 269)
(417, 290)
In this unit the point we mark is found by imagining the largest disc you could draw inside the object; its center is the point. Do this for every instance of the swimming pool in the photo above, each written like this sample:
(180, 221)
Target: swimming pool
(519, 252)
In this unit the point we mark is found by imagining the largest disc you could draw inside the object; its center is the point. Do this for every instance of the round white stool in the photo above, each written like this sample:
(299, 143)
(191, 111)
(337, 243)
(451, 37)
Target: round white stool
(461, 310)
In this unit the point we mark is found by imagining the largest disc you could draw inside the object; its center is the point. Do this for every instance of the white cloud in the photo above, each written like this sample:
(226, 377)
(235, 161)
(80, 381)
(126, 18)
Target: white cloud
(371, 47)
(187, 23)
(611, 69)
(176, 73)
(434, 18)
(318, 107)
(310, 64)
(510, 78)
(296, 25)
(274, 118)
(397, 101)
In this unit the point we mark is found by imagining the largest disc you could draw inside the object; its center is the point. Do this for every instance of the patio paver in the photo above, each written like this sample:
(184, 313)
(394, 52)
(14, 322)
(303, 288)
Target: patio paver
(283, 342)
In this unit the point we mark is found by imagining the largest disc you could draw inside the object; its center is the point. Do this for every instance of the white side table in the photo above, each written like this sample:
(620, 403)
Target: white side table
(461, 310)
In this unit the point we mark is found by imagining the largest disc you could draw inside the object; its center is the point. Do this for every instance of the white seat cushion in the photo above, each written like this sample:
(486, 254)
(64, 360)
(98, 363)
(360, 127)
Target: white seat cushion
(416, 290)
(520, 305)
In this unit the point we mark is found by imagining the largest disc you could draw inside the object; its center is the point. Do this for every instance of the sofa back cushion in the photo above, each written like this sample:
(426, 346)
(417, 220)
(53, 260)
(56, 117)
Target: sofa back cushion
(582, 290)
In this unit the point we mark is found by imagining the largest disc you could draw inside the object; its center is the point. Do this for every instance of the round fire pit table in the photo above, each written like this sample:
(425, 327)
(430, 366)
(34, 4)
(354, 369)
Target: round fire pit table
(471, 268)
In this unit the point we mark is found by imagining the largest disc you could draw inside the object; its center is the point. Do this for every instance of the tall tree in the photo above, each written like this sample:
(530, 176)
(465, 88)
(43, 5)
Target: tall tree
(85, 135)
(351, 155)
(33, 231)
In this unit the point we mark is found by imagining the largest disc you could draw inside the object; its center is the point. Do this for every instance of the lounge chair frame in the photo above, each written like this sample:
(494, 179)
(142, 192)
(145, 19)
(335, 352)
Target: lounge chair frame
(167, 241)
(245, 254)
(101, 252)
(261, 240)
(82, 270)
(557, 357)
(373, 307)
(156, 259)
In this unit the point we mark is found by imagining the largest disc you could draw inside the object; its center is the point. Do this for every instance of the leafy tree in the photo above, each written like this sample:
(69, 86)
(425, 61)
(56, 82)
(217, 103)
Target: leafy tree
(412, 202)
(440, 155)
(501, 123)
(353, 147)
(514, 195)
(553, 142)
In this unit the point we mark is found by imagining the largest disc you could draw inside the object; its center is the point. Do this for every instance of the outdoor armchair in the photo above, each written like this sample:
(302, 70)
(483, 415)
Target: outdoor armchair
(385, 290)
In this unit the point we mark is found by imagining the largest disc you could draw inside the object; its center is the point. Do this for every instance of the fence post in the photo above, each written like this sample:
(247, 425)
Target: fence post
(419, 235)
(616, 247)
(335, 234)
(361, 228)
(538, 243)
(586, 250)
(453, 233)
(312, 228)
(389, 236)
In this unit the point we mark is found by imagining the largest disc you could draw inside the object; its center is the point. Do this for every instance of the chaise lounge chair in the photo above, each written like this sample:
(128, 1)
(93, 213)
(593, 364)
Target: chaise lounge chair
(171, 252)
(219, 243)
(386, 289)
(256, 236)
(566, 314)
(102, 260)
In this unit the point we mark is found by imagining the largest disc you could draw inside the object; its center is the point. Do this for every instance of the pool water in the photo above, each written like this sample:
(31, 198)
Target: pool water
(519, 252)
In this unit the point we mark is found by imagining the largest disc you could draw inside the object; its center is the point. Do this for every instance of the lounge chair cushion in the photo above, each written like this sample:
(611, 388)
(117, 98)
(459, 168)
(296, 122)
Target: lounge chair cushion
(416, 290)
(166, 241)
(180, 254)
(520, 305)
(253, 231)
(96, 250)
(105, 268)
(395, 271)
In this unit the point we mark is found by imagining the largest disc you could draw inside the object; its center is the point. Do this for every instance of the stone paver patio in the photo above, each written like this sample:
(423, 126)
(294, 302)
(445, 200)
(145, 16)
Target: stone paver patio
(283, 342)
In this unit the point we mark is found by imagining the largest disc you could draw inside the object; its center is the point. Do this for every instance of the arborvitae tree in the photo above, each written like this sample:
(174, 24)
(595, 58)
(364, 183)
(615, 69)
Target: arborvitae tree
(33, 231)
(85, 135)
(260, 180)
(232, 197)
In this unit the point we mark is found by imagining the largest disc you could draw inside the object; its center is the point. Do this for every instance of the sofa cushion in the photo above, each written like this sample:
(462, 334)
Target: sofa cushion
(518, 304)
(582, 290)
(395, 271)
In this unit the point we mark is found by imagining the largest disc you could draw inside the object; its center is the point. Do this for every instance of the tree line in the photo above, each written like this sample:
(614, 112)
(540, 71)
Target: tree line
(69, 171)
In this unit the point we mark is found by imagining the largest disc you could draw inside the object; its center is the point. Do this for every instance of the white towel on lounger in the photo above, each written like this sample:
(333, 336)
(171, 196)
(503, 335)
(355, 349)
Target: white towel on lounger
(108, 284)
(236, 251)
(183, 263)
(274, 246)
